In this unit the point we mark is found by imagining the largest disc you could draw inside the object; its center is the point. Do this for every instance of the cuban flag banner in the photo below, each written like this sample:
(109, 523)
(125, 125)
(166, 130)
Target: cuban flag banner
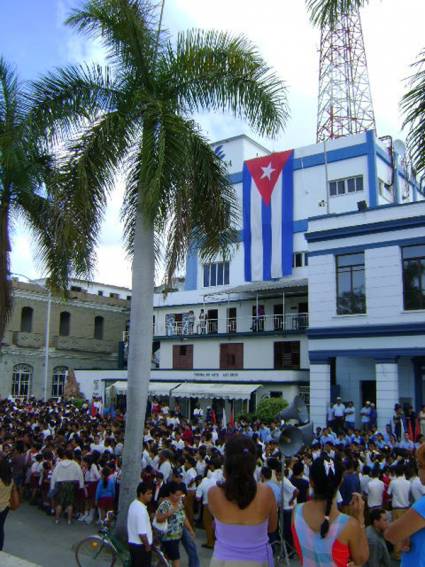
(268, 210)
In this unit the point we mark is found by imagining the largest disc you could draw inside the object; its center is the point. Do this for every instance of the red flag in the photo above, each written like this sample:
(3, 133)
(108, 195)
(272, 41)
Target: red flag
(93, 410)
(417, 429)
(232, 420)
(213, 417)
(410, 430)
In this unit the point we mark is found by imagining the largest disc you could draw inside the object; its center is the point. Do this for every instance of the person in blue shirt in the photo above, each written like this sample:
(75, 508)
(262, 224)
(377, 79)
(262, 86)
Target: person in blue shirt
(105, 492)
(349, 486)
(406, 443)
(409, 530)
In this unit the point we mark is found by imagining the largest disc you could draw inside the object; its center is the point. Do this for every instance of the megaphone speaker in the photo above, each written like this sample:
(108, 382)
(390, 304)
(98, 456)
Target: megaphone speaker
(297, 410)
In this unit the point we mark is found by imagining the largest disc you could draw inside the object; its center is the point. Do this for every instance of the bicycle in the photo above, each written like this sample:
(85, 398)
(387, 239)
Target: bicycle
(105, 550)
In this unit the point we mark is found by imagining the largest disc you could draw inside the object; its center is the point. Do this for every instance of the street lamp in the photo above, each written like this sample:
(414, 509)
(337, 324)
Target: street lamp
(46, 332)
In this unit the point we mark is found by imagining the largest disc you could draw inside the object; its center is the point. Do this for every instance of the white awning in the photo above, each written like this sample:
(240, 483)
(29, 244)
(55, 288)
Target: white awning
(155, 388)
(272, 285)
(214, 390)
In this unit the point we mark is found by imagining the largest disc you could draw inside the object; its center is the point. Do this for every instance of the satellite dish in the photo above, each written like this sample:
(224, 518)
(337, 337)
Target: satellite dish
(399, 148)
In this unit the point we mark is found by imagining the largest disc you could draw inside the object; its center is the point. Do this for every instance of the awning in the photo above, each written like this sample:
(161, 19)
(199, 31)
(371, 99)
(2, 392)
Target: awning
(155, 388)
(214, 390)
(273, 285)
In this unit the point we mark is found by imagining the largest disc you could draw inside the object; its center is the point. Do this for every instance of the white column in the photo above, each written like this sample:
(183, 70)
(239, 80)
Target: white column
(320, 392)
(387, 391)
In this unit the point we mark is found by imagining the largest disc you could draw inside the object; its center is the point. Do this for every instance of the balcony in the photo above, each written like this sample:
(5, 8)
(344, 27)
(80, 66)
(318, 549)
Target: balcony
(292, 323)
(85, 345)
(28, 340)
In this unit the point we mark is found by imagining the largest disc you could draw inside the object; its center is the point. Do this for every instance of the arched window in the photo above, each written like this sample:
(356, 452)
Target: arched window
(26, 319)
(22, 381)
(98, 328)
(58, 381)
(64, 324)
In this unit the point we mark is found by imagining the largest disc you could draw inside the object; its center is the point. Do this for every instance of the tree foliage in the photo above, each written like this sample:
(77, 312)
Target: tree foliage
(268, 408)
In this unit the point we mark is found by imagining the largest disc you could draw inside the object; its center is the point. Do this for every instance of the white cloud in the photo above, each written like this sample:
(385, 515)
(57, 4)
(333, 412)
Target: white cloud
(393, 31)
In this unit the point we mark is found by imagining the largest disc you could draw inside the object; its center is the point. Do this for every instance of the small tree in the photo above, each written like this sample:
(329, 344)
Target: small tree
(268, 408)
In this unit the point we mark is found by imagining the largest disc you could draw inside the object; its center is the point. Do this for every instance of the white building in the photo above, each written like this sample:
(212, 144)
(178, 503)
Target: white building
(290, 334)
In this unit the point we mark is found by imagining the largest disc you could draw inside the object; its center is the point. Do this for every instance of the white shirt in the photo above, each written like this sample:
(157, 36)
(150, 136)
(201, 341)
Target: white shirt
(166, 470)
(138, 523)
(375, 492)
(188, 476)
(202, 489)
(399, 489)
(350, 414)
(339, 410)
(288, 492)
(417, 489)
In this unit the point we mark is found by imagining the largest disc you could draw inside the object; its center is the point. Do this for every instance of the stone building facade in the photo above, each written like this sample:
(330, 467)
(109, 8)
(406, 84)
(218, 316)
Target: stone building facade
(85, 331)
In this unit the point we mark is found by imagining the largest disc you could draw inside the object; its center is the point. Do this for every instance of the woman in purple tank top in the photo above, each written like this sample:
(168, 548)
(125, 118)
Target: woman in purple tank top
(244, 512)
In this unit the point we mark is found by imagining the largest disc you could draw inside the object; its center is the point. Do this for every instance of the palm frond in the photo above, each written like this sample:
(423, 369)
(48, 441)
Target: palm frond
(127, 28)
(212, 70)
(5, 285)
(327, 12)
(413, 107)
(65, 100)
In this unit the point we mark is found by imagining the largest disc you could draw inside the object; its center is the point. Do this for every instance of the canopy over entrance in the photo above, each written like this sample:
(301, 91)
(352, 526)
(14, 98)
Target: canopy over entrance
(214, 390)
(155, 388)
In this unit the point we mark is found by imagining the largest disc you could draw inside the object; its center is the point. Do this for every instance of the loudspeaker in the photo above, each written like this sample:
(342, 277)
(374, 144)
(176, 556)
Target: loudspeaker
(292, 439)
(297, 410)
(362, 205)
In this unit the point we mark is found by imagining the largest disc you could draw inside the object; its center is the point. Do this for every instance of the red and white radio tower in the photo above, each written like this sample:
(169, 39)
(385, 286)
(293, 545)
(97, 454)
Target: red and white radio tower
(345, 103)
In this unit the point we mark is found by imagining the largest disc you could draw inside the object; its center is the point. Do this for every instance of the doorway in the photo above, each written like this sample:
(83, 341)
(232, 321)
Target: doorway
(368, 391)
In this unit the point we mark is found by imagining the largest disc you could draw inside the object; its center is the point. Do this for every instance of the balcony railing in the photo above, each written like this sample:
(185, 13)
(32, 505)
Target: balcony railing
(289, 323)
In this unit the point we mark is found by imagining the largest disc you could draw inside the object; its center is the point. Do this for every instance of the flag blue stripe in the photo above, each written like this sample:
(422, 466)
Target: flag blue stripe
(266, 219)
(287, 216)
(246, 208)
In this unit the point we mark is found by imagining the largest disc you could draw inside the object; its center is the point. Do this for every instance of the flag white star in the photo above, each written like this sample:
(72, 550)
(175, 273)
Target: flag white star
(267, 171)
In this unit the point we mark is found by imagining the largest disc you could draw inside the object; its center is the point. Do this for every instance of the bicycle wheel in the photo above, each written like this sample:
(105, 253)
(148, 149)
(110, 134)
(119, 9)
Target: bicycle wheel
(158, 558)
(96, 552)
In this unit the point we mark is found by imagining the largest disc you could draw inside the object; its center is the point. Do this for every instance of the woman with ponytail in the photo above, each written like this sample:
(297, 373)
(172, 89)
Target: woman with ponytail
(245, 512)
(322, 535)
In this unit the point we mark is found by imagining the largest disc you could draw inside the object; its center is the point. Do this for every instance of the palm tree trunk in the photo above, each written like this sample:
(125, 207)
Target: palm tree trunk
(139, 363)
(5, 287)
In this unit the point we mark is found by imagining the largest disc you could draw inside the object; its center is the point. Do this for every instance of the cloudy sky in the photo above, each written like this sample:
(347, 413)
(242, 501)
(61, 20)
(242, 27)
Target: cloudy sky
(33, 37)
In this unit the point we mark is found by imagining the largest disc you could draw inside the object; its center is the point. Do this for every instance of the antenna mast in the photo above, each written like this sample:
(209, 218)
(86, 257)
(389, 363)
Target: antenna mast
(345, 102)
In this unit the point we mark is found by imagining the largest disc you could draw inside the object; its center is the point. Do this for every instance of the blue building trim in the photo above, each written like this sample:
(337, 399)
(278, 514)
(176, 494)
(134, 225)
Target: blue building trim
(346, 213)
(371, 168)
(366, 331)
(379, 355)
(301, 225)
(370, 228)
(191, 279)
(382, 154)
(318, 159)
(370, 246)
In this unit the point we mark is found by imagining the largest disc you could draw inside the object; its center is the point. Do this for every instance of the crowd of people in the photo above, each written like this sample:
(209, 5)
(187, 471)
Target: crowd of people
(231, 481)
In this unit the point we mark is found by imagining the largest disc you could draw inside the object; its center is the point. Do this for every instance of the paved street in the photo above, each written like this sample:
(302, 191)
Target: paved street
(32, 535)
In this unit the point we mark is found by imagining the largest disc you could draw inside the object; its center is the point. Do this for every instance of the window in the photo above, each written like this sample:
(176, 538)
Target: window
(350, 283)
(299, 259)
(98, 328)
(287, 355)
(64, 324)
(182, 357)
(231, 356)
(216, 273)
(76, 288)
(345, 186)
(58, 381)
(386, 191)
(414, 277)
(128, 297)
(232, 322)
(22, 381)
(114, 295)
(100, 292)
(26, 319)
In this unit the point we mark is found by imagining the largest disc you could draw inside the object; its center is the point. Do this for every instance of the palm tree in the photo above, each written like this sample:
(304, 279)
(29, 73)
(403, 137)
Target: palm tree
(28, 191)
(326, 13)
(135, 117)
